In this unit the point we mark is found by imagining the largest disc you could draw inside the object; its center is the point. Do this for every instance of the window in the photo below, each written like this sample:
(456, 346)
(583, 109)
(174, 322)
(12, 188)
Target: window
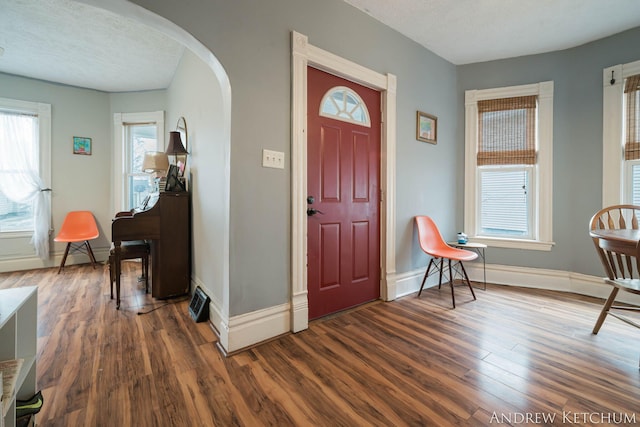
(621, 134)
(25, 134)
(505, 201)
(631, 138)
(135, 134)
(17, 215)
(508, 153)
(342, 103)
(632, 181)
(140, 138)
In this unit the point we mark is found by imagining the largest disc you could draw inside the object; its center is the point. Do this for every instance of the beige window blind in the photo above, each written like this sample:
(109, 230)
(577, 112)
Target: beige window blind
(507, 131)
(632, 143)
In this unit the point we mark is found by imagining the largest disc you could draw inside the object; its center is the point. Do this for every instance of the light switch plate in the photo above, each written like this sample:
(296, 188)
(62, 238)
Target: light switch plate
(272, 159)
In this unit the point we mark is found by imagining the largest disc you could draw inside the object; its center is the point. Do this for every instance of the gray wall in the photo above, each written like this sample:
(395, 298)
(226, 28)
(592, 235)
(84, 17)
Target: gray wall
(251, 39)
(577, 141)
(136, 102)
(195, 95)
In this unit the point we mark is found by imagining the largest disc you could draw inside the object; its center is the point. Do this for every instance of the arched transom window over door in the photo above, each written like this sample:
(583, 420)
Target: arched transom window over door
(342, 103)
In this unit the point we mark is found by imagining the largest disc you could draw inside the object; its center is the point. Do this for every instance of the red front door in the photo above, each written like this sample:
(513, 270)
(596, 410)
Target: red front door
(343, 167)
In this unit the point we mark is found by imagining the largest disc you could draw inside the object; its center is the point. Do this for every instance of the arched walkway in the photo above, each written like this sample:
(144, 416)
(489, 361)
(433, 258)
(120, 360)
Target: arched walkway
(201, 224)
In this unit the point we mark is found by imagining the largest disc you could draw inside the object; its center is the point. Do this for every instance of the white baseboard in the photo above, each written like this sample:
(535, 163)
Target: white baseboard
(556, 280)
(409, 282)
(32, 262)
(526, 277)
(218, 320)
(248, 329)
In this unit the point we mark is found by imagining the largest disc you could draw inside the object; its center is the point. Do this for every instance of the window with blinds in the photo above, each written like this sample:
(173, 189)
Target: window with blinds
(632, 131)
(507, 131)
(508, 178)
(506, 156)
(632, 137)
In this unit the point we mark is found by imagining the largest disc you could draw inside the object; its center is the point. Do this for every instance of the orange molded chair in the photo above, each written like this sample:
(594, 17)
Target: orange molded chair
(77, 229)
(433, 244)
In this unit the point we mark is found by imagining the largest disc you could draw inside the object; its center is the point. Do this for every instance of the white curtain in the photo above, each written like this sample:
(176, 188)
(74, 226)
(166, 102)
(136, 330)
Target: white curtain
(20, 180)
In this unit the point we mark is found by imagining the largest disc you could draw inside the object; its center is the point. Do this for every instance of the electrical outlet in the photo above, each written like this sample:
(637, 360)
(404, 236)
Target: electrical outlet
(272, 159)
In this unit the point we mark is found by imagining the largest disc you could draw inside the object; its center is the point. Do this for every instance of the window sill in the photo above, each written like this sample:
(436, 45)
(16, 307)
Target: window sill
(533, 245)
(15, 234)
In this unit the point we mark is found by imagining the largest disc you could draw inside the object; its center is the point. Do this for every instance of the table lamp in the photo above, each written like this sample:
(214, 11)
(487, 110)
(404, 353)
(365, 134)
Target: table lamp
(156, 163)
(176, 148)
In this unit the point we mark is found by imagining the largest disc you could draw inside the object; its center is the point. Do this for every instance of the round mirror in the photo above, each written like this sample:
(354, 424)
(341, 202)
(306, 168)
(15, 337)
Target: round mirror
(182, 128)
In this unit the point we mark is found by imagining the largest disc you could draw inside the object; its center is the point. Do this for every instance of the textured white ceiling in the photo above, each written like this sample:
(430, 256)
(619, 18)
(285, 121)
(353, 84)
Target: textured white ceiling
(76, 44)
(468, 31)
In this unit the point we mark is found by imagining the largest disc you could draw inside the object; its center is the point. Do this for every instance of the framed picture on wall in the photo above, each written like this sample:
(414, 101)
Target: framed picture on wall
(81, 145)
(426, 128)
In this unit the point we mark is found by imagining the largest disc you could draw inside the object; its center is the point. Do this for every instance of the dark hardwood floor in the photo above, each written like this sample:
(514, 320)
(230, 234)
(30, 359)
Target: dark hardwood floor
(513, 357)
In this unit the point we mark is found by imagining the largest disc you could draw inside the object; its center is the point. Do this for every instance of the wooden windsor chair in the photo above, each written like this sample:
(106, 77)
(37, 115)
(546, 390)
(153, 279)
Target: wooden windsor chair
(616, 236)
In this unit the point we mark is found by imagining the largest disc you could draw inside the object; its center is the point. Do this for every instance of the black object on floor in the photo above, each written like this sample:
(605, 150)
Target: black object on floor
(199, 306)
(30, 406)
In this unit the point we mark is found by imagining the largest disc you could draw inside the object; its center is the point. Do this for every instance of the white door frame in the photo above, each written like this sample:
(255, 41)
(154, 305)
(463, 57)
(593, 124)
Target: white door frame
(303, 55)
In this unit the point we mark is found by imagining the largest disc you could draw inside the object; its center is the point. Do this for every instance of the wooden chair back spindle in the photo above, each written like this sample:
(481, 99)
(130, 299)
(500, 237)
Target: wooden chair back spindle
(616, 218)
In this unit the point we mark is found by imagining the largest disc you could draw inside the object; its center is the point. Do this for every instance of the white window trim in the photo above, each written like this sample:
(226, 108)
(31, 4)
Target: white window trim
(43, 111)
(613, 168)
(544, 175)
(119, 172)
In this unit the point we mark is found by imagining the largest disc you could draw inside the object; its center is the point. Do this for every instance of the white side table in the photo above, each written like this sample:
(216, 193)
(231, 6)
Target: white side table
(479, 248)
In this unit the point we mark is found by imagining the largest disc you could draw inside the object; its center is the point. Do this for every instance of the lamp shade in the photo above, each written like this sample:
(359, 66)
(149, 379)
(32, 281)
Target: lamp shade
(155, 161)
(175, 144)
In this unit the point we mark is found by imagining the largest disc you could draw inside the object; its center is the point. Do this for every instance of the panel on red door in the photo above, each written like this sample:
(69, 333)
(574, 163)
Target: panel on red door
(343, 163)
(329, 255)
(360, 171)
(329, 157)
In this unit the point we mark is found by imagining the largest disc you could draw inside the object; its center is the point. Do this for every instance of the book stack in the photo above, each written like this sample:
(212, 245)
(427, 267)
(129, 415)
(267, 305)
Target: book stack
(162, 184)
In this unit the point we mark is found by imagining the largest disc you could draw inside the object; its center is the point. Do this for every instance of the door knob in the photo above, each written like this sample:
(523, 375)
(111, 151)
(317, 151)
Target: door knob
(312, 212)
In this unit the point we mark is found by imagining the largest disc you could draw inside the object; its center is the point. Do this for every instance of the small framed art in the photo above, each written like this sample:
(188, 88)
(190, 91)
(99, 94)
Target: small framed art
(81, 145)
(426, 128)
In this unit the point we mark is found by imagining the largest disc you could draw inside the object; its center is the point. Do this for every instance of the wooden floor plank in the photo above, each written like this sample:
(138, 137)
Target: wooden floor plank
(411, 362)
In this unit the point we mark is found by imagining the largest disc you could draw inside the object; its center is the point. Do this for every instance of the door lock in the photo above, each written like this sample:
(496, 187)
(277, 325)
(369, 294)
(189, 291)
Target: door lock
(312, 212)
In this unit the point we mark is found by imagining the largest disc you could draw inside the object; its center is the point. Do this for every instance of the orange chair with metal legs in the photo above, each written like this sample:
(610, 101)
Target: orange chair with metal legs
(77, 229)
(432, 243)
